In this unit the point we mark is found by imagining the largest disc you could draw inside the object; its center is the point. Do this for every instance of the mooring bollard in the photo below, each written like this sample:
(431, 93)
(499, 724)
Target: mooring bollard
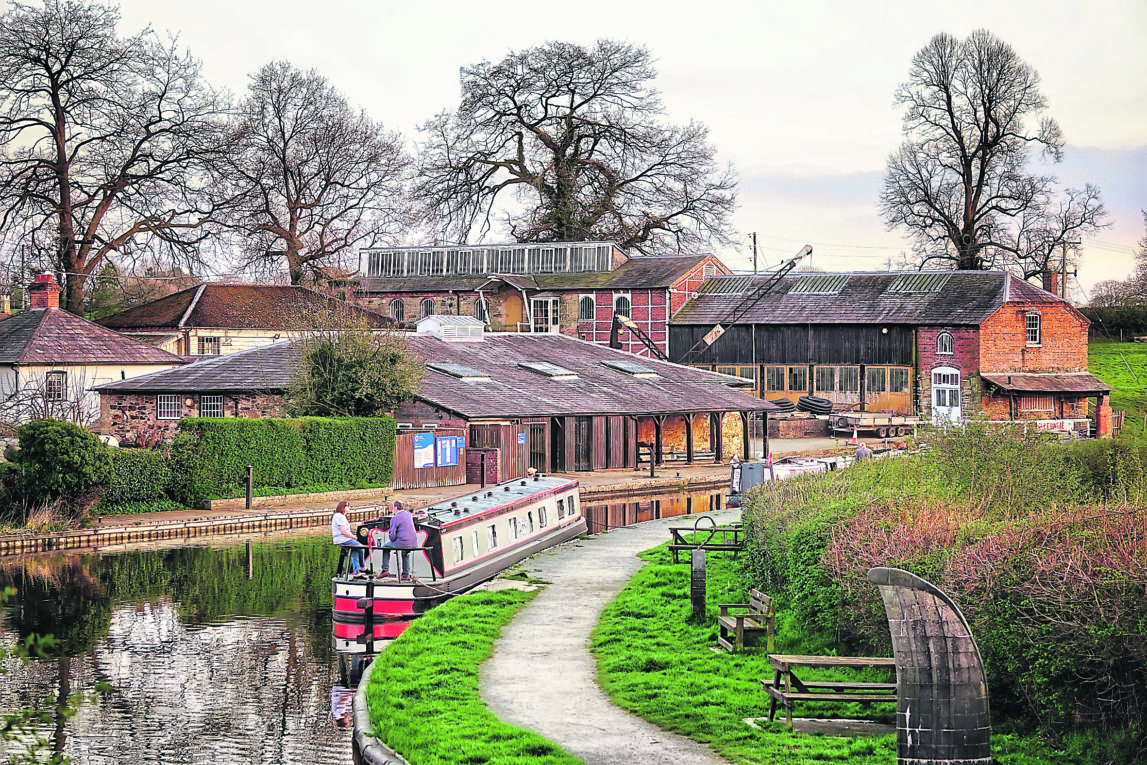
(697, 582)
(250, 484)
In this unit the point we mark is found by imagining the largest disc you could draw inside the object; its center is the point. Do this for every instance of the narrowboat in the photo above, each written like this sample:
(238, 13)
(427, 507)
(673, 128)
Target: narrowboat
(463, 542)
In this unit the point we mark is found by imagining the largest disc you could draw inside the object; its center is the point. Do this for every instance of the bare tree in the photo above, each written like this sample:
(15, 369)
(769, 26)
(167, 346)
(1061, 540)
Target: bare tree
(960, 183)
(313, 178)
(1132, 291)
(102, 140)
(60, 395)
(575, 134)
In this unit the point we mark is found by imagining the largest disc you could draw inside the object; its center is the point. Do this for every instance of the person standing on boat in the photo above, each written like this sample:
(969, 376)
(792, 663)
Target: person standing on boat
(342, 534)
(403, 539)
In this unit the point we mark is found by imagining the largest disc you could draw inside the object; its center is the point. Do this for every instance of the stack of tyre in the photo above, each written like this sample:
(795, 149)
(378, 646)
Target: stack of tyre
(814, 404)
(784, 405)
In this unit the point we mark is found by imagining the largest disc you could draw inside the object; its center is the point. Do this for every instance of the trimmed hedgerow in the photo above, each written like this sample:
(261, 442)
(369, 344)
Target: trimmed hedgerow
(211, 456)
(138, 477)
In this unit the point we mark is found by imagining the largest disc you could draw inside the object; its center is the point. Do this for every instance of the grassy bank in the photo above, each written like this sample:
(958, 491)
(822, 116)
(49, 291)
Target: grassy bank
(423, 693)
(1123, 366)
(655, 662)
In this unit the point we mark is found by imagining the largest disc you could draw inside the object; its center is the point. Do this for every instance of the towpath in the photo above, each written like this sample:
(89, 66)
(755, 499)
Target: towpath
(541, 675)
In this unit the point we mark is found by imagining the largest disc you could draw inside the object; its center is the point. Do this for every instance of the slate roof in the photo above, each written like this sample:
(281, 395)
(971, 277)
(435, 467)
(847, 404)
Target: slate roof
(234, 306)
(54, 336)
(1071, 382)
(646, 272)
(939, 297)
(512, 391)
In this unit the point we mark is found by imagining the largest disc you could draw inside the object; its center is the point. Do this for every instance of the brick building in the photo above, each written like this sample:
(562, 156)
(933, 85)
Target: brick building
(946, 345)
(569, 288)
(530, 399)
(217, 319)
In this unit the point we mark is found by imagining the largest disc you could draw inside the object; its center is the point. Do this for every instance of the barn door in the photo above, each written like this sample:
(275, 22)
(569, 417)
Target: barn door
(538, 447)
(583, 444)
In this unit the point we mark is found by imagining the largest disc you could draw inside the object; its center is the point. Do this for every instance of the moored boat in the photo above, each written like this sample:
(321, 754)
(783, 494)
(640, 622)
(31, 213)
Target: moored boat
(463, 542)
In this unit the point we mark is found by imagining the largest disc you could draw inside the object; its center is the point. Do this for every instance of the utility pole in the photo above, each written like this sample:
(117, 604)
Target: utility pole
(753, 239)
(1063, 272)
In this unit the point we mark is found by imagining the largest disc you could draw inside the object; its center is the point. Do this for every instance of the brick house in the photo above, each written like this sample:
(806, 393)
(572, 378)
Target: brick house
(570, 288)
(50, 359)
(945, 345)
(544, 400)
(217, 319)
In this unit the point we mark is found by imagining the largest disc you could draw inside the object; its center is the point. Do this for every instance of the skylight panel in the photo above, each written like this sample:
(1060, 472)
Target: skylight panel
(631, 368)
(819, 284)
(546, 369)
(460, 371)
(919, 283)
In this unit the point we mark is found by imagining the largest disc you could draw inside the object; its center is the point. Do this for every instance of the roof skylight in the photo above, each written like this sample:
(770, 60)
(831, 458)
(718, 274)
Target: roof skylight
(819, 284)
(546, 369)
(631, 368)
(460, 371)
(919, 283)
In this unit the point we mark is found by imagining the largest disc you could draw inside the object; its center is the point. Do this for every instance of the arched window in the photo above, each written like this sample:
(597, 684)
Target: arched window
(426, 308)
(397, 310)
(482, 310)
(944, 344)
(585, 308)
(621, 306)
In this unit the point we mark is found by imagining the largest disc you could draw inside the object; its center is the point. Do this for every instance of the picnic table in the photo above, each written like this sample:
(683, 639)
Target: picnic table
(787, 688)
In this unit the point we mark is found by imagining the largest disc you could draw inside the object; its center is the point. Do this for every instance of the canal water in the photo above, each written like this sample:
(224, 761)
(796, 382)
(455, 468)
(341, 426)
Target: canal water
(217, 653)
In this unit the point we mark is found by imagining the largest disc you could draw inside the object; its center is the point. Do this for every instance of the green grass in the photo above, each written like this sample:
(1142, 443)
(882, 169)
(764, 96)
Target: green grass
(655, 662)
(423, 693)
(1109, 361)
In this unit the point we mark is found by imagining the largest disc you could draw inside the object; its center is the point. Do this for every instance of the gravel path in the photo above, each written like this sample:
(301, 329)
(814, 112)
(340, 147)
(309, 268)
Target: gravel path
(541, 675)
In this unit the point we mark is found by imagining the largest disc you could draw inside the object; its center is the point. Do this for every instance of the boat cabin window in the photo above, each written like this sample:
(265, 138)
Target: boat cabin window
(459, 549)
(561, 509)
(477, 551)
(493, 537)
(512, 527)
(541, 517)
(530, 521)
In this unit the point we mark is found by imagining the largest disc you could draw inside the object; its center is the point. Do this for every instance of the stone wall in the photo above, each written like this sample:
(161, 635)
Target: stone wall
(131, 417)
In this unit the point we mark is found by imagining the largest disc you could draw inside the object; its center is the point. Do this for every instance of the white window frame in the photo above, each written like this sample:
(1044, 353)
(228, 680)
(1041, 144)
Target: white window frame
(482, 310)
(209, 400)
(542, 520)
(203, 342)
(458, 545)
(512, 528)
(426, 303)
(581, 303)
(492, 536)
(166, 399)
(945, 344)
(474, 539)
(398, 309)
(628, 298)
(51, 391)
(1033, 328)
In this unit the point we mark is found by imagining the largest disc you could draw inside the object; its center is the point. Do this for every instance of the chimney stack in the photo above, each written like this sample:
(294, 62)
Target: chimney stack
(1051, 281)
(43, 292)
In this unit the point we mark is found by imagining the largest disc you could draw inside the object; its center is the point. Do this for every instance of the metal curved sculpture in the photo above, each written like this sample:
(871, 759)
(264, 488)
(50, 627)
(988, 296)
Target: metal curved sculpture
(942, 711)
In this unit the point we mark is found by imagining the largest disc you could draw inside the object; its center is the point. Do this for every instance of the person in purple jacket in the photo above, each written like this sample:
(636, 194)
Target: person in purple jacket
(402, 538)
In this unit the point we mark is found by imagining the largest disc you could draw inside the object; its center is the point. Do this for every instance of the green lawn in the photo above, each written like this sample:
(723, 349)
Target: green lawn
(1123, 366)
(653, 661)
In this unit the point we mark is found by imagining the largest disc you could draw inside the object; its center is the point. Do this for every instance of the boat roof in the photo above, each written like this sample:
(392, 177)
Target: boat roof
(494, 497)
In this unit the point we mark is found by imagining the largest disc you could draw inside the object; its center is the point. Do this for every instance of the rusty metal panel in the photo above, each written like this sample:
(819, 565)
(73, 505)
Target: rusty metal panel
(942, 713)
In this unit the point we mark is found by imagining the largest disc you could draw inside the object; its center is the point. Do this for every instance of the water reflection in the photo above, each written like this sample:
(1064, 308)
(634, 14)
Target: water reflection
(612, 515)
(208, 665)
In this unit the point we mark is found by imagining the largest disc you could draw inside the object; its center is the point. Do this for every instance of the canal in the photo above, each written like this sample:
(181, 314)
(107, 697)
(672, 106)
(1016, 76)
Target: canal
(217, 653)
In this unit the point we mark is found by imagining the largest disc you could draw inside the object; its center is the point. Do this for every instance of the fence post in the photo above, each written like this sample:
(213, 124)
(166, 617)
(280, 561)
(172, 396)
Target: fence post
(250, 484)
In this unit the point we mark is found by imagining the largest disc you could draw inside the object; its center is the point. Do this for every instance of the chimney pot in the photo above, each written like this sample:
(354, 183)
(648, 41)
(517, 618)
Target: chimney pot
(43, 292)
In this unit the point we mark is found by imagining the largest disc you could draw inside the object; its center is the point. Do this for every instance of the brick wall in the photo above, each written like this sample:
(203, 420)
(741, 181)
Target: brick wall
(965, 357)
(419, 414)
(131, 417)
(682, 291)
(673, 434)
(1063, 341)
(649, 309)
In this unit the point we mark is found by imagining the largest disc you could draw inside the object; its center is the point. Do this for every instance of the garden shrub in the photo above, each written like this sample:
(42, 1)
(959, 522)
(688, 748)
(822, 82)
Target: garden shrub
(139, 476)
(210, 456)
(61, 461)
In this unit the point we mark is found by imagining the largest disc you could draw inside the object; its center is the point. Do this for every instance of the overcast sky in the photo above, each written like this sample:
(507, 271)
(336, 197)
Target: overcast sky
(797, 95)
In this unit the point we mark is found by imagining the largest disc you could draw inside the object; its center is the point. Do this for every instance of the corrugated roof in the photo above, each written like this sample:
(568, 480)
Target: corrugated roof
(1071, 382)
(646, 272)
(236, 306)
(945, 297)
(512, 390)
(54, 336)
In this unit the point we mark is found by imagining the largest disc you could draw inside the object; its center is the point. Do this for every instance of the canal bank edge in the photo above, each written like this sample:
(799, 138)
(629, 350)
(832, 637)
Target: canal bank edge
(366, 748)
(98, 537)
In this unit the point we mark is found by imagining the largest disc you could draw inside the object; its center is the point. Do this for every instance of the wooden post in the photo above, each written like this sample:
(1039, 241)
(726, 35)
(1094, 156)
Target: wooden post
(482, 470)
(745, 456)
(765, 436)
(658, 424)
(719, 440)
(688, 438)
(697, 583)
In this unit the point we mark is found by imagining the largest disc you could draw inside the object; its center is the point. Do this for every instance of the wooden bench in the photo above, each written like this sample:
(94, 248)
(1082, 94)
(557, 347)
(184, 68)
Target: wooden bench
(730, 538)
(759, 618)
(787, 688)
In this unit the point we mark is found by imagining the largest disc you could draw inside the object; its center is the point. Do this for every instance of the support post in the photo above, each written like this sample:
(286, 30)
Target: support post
(250, 485)
(719, 438)
(688, 438)
(482, 470)
(745, 455)
(765, 436)
(658, 423)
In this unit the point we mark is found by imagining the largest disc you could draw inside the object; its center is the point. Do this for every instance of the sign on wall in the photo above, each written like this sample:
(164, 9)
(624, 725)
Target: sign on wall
(423, 450)
(447, 451)
(521, 438)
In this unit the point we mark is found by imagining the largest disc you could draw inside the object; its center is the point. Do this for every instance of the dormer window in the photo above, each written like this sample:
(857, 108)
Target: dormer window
(945, 345)
(1033, 329)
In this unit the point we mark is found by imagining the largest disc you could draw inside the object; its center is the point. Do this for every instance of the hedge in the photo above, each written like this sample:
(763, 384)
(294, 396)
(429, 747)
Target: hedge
(210, 456)
(139, 476)
(1110, 322)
